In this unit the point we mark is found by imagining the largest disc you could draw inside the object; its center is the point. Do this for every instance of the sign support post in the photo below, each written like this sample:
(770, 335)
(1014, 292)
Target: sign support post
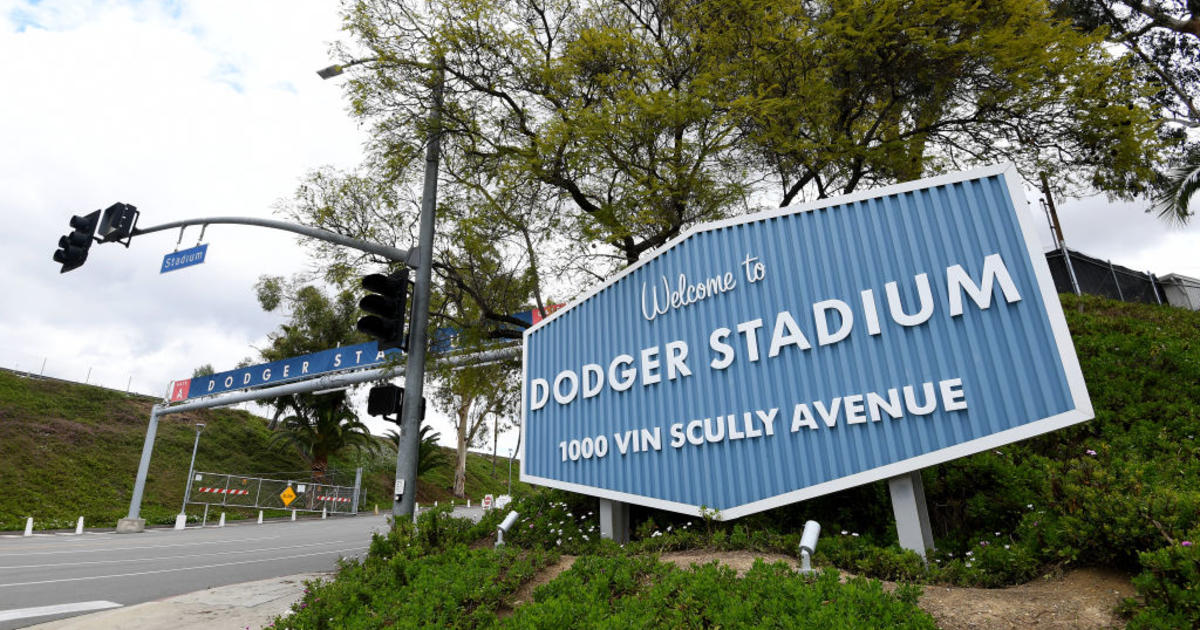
(614, 520)
(357, 488)
(912, 512)
(132, 523)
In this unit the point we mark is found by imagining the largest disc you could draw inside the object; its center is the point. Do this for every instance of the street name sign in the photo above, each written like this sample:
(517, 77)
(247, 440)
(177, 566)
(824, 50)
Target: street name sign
(184, 258)
(358, 356)
(771, 358)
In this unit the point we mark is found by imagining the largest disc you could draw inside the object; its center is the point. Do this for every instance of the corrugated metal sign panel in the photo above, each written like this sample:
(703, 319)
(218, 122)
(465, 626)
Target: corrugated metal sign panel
(780, 356)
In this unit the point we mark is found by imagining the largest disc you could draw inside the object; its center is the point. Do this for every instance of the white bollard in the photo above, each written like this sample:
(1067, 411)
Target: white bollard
(293, 514)
(79, 527)
(468, 503)
(222, 523)
(29, 526)
(376, 509)
(260, 517)
(323, 513)
(416, 508)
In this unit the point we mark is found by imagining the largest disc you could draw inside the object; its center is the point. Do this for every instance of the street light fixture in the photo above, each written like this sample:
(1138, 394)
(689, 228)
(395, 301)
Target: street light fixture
(181, 520)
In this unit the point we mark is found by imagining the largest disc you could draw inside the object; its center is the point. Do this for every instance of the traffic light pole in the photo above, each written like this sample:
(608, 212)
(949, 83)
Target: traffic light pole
(390, 253)
(414, 373)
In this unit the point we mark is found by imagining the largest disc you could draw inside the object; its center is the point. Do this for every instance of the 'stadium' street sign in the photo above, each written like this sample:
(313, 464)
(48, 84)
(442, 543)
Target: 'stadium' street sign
(776, 357)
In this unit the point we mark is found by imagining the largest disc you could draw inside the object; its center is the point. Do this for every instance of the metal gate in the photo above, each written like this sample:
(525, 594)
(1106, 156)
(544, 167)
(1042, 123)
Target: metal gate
(261, 493)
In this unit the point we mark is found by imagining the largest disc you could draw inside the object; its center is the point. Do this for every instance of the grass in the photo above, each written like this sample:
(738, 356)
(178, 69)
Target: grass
(69, 450)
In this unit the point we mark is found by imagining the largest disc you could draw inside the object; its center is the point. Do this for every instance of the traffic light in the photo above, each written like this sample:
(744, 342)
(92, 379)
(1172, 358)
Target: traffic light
(388, 400)
(388, 306)
(73, 248)
(118, 223)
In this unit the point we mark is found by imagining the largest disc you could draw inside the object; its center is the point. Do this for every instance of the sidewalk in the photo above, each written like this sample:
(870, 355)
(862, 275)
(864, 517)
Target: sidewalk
(249, 604)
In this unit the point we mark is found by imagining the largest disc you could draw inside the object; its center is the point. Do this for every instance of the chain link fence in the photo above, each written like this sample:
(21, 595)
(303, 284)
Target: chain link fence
(1078, 273)
(262, 493)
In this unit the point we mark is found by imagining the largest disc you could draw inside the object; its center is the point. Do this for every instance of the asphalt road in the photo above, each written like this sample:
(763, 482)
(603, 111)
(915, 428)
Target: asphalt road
(95, 570)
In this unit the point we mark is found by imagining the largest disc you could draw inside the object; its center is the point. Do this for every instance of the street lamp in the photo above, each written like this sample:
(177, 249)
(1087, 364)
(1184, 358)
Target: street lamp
(414, 371)
(181, 520)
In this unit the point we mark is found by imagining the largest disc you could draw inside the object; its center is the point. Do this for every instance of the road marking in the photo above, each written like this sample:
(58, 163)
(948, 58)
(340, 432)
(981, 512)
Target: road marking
(323, 543)
(207, 566)
(103, 549)
(59, 609)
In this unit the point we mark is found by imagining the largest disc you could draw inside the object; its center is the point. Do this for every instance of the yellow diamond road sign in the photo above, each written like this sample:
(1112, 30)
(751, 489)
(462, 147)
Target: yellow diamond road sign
(288, 495)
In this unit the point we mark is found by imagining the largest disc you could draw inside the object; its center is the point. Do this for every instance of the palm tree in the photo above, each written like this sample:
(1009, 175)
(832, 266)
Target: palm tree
(429, 454)
(1172, 203)
(321, 431)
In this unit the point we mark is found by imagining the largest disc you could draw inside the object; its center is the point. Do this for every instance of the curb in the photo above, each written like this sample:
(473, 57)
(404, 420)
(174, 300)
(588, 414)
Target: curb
(248, 604)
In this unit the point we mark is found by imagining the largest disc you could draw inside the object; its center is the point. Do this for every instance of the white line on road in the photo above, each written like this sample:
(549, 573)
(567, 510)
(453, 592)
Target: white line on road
(323, 543)
(207, 566)
(216, 541)
(58, 609)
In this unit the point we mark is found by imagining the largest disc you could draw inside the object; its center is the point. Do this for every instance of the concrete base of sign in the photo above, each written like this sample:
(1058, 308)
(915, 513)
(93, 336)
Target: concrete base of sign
(614, 520)
(131, 525)
(912, 513)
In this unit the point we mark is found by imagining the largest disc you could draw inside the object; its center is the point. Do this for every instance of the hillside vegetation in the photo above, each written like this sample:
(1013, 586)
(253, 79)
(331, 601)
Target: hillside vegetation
(69, 450)
(1121, 491)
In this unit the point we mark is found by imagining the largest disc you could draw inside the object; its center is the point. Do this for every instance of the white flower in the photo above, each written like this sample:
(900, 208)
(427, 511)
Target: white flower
(997, 533)
(970, 553)
(558, 542)
(855, 534)
(1029, 506)
(1006, 546)
(844, 532)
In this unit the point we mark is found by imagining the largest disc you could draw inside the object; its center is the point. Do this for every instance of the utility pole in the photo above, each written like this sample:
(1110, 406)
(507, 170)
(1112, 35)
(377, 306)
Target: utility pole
(414, 372)
(1059, 239)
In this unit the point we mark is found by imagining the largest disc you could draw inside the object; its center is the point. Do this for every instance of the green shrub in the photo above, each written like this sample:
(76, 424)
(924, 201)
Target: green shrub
(638, 592)
(1169, 588)
(454, 588)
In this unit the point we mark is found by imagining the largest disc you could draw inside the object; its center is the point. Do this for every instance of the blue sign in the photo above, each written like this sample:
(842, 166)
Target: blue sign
(780, 356)
(362, 355)
(184, 258)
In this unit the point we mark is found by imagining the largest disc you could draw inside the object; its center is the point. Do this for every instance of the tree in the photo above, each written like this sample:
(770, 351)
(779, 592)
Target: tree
(578, 138)
(203, 370)
(1173, 202)
(429, 454)
(643, 117)
(316, 322)
(323, 429)
(472, 395)
(318, 427)
(1161, 40)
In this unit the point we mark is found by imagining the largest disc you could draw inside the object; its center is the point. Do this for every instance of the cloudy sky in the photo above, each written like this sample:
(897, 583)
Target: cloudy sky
(213, 108)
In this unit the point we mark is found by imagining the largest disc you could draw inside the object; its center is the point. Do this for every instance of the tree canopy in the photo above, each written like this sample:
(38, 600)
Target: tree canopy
(1161, 40)
(580, 136)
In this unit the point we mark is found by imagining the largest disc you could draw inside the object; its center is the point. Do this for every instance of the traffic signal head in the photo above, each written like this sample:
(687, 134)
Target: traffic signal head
(118, 223)
(388, 306)
(385, 400)
(388, 400)
(73, 248)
